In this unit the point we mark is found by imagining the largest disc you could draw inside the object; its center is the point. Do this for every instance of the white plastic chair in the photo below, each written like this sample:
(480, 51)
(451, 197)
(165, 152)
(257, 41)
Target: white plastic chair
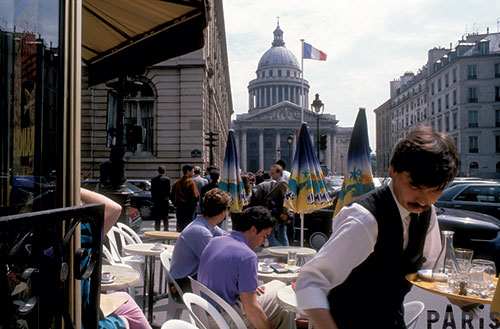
(136, 261)
(109, 259)
(199, 288)
(174, 308)
(127, 230)
(412, 312)
(190, 299)
(178, 324)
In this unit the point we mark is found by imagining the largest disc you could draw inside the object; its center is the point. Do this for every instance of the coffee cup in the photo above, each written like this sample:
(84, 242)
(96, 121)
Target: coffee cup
(106, 276)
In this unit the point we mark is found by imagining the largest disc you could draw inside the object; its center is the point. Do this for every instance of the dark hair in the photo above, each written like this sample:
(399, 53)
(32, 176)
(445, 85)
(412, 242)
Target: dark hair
(162, 169)
(246, 183)
(266, 175)
(282, 163)
(186, 168)
(197, 170)
(279, 168)
(214, 175)
(430, 157)
(214, 202)
(257, 216)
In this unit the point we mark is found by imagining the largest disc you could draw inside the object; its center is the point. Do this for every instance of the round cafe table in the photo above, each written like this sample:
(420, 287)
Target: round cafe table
(288, 300)
(124, 277)
(303, 253)
(163, 235)
(283, 277)
(146, 249)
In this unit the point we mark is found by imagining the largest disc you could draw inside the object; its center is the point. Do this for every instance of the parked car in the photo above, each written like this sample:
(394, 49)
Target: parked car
(139, 199)
(482, 198)
(468, 180)
(143, 184)
(135, 220)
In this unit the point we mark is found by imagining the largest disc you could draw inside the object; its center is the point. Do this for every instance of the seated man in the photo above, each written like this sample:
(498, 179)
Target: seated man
(228, 266)
(196, 235)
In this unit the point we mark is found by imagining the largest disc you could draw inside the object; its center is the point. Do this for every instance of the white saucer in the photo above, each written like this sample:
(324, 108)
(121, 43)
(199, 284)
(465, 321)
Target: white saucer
(425, 274)
(269, 270)
(110, 280)
(157, 249)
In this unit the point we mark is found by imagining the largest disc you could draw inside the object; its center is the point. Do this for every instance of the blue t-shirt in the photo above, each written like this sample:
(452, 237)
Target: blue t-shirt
(190, 245)
(228, 267)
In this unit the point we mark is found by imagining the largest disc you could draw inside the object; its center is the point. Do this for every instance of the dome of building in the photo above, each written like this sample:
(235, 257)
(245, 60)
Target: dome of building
(278, 55)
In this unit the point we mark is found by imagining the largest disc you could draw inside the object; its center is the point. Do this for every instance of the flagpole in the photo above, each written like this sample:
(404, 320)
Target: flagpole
(302, 84)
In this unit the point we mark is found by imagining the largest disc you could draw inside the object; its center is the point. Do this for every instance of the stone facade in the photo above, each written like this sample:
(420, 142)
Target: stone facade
(178, 102)
(458, 93)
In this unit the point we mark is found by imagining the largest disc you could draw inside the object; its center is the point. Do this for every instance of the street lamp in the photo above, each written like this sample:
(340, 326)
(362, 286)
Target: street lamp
(317, 107)
(289, 140)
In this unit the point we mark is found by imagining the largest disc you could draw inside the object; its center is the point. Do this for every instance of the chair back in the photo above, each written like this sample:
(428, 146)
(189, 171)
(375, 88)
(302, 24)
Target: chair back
(191, 299)
(412, 312)
(174, 308)
(178, 324)
(130, 232)
(199, 288)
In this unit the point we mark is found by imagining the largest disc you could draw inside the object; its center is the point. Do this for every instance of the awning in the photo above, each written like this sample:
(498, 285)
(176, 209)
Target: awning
(122, 37)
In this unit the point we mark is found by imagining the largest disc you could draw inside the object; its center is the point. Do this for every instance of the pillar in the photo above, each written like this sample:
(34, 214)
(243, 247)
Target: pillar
(261, 149)
(328, 154)
(264, 104)
(243, 156)
(277, 143)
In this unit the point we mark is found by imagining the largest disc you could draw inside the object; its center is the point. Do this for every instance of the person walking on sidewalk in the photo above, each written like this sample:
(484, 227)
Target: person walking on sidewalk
(160, 192)
(185, 196)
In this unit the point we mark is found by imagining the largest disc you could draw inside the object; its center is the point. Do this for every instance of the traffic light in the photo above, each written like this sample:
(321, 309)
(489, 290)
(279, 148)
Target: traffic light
(322, 142)
(134, 135)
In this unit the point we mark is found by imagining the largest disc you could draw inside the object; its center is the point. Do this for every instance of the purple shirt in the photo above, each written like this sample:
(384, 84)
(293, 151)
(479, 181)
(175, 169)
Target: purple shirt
(229, 267)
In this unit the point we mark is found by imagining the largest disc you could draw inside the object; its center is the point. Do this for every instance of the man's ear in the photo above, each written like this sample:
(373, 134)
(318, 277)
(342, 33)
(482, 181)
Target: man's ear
(392, 172)
(253, 230)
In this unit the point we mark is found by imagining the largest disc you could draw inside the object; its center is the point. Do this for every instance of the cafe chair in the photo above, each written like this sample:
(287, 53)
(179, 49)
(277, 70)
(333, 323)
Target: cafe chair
(191, 299)
(109, 259)
(136, 261)
(128, 231)
(178, 324)
(174, 307)
(199, 288)
(412, 312)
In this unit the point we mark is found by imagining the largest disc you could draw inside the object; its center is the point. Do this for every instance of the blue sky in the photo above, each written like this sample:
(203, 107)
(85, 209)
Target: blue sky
(369, 43)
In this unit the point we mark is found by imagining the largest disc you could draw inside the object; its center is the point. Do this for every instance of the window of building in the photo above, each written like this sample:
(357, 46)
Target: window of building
(279, 73)
(447, 123)
(472, 72)
(432, 107)
(432, 88)
(498, 168)
(439, 84)
(439, 104)
(455, 120)
(473, 95)
(447, 101)
(497, 70)
(447, 80)
(497, 143)
(454, 74)
(473, 120)
(497, 94)
(497, 118)
(270, 73)
(454, 97)
(287, 73)
(455, 142)
(440, 124)
(473, 144)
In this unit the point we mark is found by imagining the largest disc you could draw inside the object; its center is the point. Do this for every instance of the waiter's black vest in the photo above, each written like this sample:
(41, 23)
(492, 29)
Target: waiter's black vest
(373, 293)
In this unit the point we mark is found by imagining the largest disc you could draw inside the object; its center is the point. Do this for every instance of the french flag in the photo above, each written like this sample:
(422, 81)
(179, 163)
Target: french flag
(312, 53)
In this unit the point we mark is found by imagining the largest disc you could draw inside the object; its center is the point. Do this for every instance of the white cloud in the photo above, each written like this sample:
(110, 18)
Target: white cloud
(369, 43)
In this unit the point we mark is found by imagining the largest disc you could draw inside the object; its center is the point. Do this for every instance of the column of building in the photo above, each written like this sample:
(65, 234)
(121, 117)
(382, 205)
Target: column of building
(277, 141)
(328, 154)
(261, 148)
(244, 149)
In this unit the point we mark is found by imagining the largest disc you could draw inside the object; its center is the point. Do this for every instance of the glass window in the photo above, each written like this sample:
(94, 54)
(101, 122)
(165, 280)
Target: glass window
(279, 73)
(439, 84)
(497, 94)
(497, 143)
(497, 118)
(439, 104)
(432, 88)
(447, 123)
(477, 194)
(473, 95)
(454, 73)
(473, 119)
(497, 70)
(447, 100)
(447, 80)
(440, 124)
(473, 144)
(455, 123)
(472, 71)
(432, 107)
(31, 102)
(454, 97)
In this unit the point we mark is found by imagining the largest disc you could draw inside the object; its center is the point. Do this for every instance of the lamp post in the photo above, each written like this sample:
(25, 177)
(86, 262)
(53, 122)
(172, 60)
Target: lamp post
(342, 164)
(289, 140)
(317, 107)
(278, 153)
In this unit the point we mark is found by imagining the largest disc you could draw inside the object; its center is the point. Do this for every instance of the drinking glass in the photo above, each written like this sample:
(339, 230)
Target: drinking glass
(292, 258)
(489, 271)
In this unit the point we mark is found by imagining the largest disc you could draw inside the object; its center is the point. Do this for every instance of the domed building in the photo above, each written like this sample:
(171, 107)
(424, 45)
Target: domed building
(268, 131)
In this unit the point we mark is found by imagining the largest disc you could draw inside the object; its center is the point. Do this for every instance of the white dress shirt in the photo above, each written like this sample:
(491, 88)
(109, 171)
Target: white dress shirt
(355, 232)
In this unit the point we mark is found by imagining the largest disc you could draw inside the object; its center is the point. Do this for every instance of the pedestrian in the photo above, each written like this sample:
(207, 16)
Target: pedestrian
(286, 173)
(200, 182)
(359, 274)
(228, 267)
(160, 193)
(263, 188)
(274, 202)
(185, 197)
(214, 182)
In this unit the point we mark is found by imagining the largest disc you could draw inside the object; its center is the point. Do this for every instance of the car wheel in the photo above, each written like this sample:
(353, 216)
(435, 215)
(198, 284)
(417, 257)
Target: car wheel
(145, 211)
(317, 240)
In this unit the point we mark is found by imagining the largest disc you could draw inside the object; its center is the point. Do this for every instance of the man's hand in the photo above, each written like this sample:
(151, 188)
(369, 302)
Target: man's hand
(465, 306)
(260, 290)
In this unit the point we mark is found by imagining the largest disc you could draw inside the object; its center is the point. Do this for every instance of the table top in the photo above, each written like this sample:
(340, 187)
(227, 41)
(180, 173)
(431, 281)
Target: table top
(431, 287)
(162, 235)
(146, 249)
(287, 299)
(283, 277)
(282, 251)
(125, 277)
